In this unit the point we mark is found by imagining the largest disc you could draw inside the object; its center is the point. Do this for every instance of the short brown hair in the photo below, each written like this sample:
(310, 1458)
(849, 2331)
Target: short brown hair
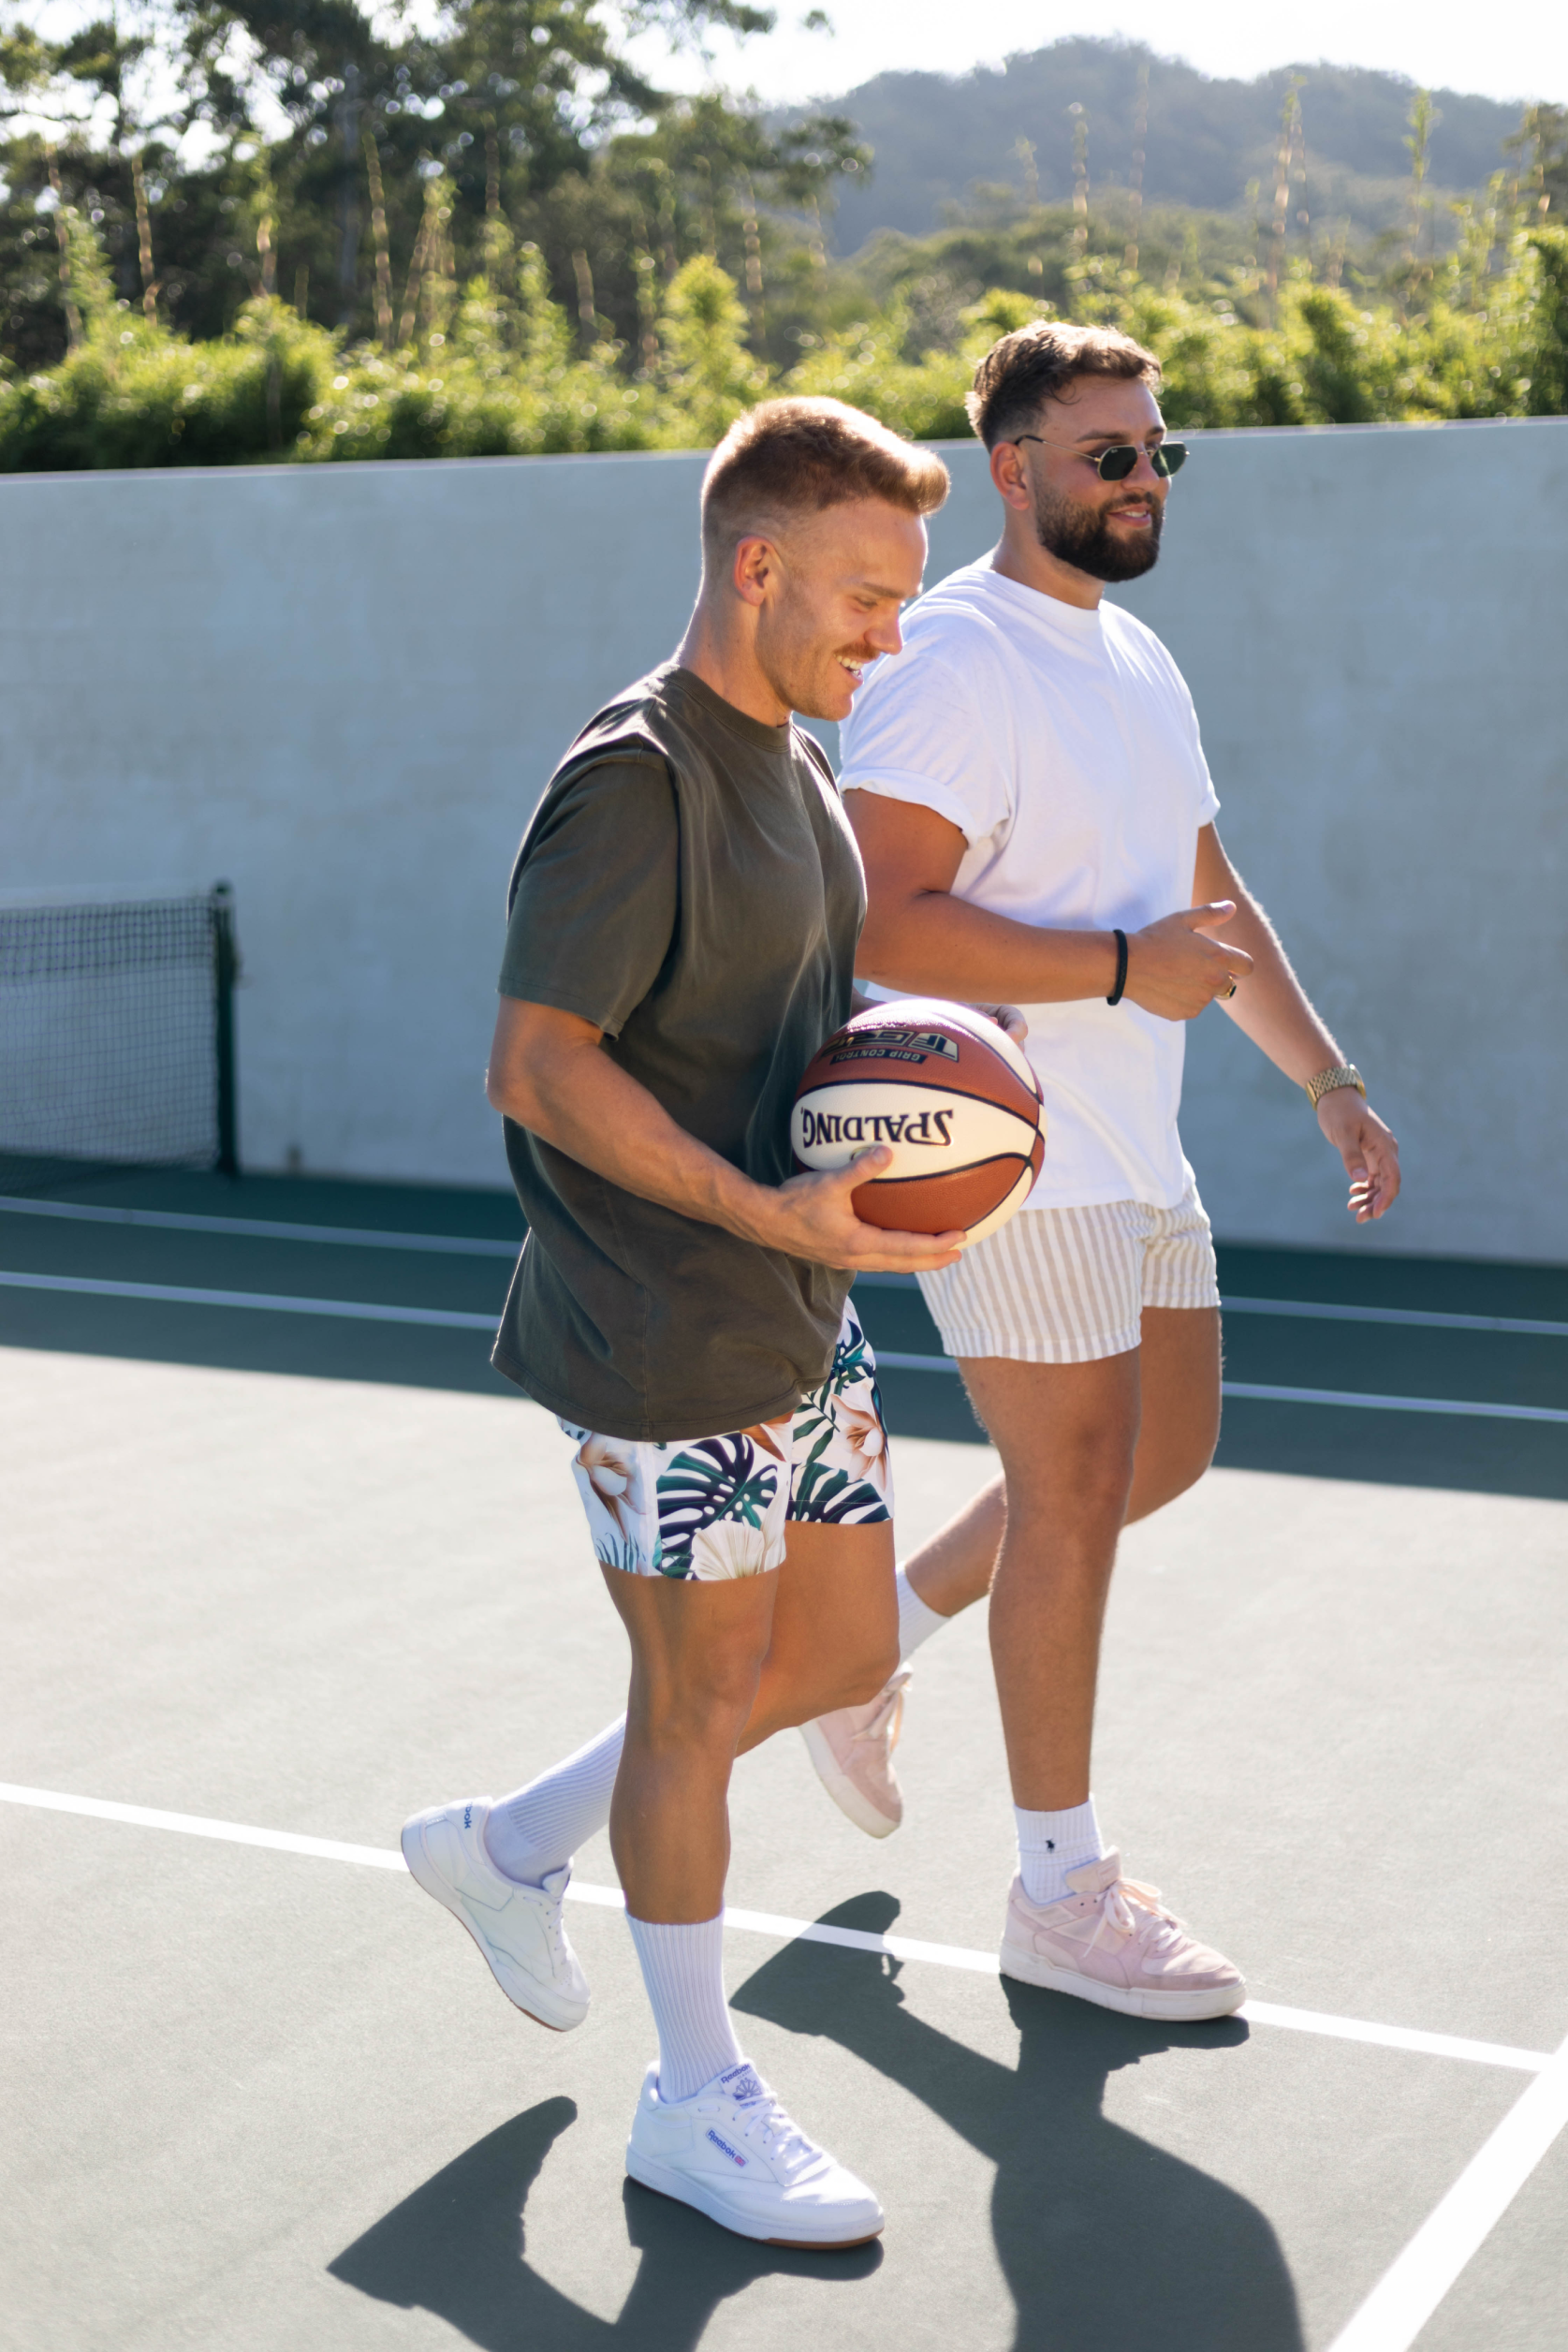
(794, 457)
(1034, 363)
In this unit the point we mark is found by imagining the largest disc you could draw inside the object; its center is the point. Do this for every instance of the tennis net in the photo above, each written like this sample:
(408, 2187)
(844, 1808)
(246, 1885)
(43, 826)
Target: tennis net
(116, 1035)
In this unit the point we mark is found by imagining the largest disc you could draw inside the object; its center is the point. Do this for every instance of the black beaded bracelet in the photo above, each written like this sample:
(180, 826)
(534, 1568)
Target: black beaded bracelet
(1115, 997)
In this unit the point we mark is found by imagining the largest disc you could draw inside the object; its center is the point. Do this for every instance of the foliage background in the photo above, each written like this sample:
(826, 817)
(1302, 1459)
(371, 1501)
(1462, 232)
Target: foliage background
(273, 231)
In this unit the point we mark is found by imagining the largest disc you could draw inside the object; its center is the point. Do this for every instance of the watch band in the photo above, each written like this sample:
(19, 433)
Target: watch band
(1329, 1081)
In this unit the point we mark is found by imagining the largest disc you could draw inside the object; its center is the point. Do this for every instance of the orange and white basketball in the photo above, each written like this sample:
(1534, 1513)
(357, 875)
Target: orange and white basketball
(952, 1095)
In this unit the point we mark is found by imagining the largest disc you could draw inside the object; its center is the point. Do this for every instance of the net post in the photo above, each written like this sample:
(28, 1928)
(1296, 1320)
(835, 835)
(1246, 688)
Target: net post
(225, 964)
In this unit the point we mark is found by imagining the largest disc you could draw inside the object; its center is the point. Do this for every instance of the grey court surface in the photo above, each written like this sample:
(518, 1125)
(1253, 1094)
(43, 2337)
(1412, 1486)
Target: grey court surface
(303, 1571)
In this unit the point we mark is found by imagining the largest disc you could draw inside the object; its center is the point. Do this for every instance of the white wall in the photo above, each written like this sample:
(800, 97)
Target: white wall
(343, 687)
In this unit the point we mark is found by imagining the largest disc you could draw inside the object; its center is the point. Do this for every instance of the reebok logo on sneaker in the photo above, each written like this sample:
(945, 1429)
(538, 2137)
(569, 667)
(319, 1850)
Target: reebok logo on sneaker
(725, 2149)
(742, 2081)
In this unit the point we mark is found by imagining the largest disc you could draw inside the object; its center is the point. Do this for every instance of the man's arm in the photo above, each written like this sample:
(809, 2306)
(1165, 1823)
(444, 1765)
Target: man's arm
(547, 1072)
(1271, 1007)
(919, 937)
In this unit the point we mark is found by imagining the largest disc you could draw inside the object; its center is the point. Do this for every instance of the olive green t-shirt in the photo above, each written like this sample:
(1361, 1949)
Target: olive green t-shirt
(690, 885)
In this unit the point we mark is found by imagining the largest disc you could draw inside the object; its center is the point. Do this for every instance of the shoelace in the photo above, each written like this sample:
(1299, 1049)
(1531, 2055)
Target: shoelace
(779, 2133)
(889, 1718)
(1122, 1901)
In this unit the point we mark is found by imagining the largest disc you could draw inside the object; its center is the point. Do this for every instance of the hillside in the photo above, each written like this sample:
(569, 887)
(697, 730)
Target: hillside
(941, 140)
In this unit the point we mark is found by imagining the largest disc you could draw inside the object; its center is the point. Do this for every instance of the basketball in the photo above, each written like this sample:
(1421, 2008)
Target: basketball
(952, 1095)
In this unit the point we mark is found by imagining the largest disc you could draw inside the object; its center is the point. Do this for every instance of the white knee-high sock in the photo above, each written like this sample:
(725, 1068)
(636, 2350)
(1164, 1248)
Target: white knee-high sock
(1052, 1844)
(683, 1968)
(538, 1827)
(917, 1620)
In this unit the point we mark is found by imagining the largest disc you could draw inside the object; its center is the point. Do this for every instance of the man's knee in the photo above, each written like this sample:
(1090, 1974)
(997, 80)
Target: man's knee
(1080, 1477)
(866, 1674)
(699, 1700)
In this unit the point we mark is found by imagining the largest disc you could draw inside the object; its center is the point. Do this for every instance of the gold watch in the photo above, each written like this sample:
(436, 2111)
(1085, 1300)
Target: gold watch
(1327, 1081)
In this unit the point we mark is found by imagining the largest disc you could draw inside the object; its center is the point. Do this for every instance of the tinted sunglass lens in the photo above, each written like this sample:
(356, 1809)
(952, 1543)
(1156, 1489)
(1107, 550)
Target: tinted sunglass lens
(1116, 464)
(1170, 457)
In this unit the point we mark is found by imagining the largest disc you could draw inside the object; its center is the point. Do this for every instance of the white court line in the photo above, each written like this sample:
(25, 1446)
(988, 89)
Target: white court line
(769, 1923)
(1465, 1409)
(258, 1230)
(271, 1303)
(453, 1319)
(890, 1360)
(1406, 2296)
(1421, 1317)
(463, 1246)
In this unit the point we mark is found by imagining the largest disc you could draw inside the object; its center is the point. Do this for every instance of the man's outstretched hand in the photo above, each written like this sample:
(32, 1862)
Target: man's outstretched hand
(812, 1217)
(1175, 971)
(1370, 1152)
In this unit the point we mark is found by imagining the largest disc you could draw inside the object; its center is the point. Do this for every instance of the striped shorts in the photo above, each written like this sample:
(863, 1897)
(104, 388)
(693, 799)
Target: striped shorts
(1067, 1286)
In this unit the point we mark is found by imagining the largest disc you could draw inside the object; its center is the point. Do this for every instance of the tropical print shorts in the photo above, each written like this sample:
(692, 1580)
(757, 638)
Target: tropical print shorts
(708, 1507)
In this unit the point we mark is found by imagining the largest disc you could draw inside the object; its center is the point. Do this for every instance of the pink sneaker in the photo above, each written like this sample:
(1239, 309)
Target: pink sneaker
(1112, 1942)
(853, 1752)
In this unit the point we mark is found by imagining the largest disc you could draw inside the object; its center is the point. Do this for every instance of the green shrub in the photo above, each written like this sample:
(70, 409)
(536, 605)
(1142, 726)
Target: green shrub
(497, 370)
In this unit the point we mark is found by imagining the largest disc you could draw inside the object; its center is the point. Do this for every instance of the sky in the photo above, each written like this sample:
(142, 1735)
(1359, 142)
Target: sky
(1522, 53)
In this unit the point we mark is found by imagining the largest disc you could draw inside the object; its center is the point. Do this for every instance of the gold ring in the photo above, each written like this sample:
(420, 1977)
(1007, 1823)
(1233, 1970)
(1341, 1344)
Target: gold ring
(1230, 991)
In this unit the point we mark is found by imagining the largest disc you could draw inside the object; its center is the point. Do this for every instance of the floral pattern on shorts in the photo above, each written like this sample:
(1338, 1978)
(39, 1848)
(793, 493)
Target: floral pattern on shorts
(710, 1507)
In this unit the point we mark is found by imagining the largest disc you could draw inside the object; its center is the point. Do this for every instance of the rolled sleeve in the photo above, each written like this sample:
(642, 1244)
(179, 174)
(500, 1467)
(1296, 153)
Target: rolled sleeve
(922, 791)
(921, 731)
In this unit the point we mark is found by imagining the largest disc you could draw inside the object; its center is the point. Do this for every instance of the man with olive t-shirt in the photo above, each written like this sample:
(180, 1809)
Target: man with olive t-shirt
(683, 918)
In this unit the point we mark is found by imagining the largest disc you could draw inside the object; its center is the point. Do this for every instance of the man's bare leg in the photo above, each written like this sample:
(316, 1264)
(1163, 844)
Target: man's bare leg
(1179, 1378)
(1066, 1435)
(835, 1627)
(703, 1655)
(719, 1667)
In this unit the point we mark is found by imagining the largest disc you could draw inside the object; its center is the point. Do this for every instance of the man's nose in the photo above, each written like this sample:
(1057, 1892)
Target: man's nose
(1143, 474)
(886, 635)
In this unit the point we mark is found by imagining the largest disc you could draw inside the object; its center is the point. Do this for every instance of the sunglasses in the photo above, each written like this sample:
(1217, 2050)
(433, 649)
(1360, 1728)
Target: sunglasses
(1114, 466)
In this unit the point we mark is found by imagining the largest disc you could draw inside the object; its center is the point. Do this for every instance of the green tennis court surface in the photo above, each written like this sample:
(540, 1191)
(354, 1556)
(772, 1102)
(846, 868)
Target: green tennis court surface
(283, 1556)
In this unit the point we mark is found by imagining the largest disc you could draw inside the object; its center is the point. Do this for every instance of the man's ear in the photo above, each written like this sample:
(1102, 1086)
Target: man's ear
(1010, 476)
(753, 568)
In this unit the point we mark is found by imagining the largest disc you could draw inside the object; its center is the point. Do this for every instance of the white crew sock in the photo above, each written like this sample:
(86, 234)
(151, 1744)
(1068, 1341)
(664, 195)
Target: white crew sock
(538, 1827)
(1052, 1844)
(683, 1968)
(917, 1620)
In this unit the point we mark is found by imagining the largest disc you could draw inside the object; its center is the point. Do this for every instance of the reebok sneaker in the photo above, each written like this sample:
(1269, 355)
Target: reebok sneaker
(1112, 1942)
(733, 2152)
(518, 1929)
(852, 1749)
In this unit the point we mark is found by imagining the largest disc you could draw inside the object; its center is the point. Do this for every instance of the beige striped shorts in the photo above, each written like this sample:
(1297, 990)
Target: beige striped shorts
(1066, 1285)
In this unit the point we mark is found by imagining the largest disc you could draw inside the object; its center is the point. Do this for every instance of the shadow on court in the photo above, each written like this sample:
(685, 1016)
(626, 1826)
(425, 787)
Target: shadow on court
(1102, 2236)
(457, 2248)
(1089, 2221)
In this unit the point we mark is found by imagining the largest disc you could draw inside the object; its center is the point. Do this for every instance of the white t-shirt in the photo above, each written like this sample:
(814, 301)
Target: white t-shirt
(1064, 746)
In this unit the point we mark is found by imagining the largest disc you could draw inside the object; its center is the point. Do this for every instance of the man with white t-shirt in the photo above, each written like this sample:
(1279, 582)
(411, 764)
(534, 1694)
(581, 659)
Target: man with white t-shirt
(1030, 793)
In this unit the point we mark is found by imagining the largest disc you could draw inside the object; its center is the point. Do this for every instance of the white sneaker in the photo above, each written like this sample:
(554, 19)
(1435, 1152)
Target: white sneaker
(852, 1749)
(733, 2152)
(518, 1929)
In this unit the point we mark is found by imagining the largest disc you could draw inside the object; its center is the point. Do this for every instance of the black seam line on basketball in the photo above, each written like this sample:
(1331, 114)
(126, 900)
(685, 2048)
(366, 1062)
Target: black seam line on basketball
(821, 1085)
(944, 1175)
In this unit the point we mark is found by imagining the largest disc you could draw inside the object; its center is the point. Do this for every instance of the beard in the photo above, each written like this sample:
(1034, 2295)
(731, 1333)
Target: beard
(1083, 537)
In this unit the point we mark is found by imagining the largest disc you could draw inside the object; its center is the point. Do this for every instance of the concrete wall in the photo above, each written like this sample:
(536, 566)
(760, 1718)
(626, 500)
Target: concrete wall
(343, 687)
